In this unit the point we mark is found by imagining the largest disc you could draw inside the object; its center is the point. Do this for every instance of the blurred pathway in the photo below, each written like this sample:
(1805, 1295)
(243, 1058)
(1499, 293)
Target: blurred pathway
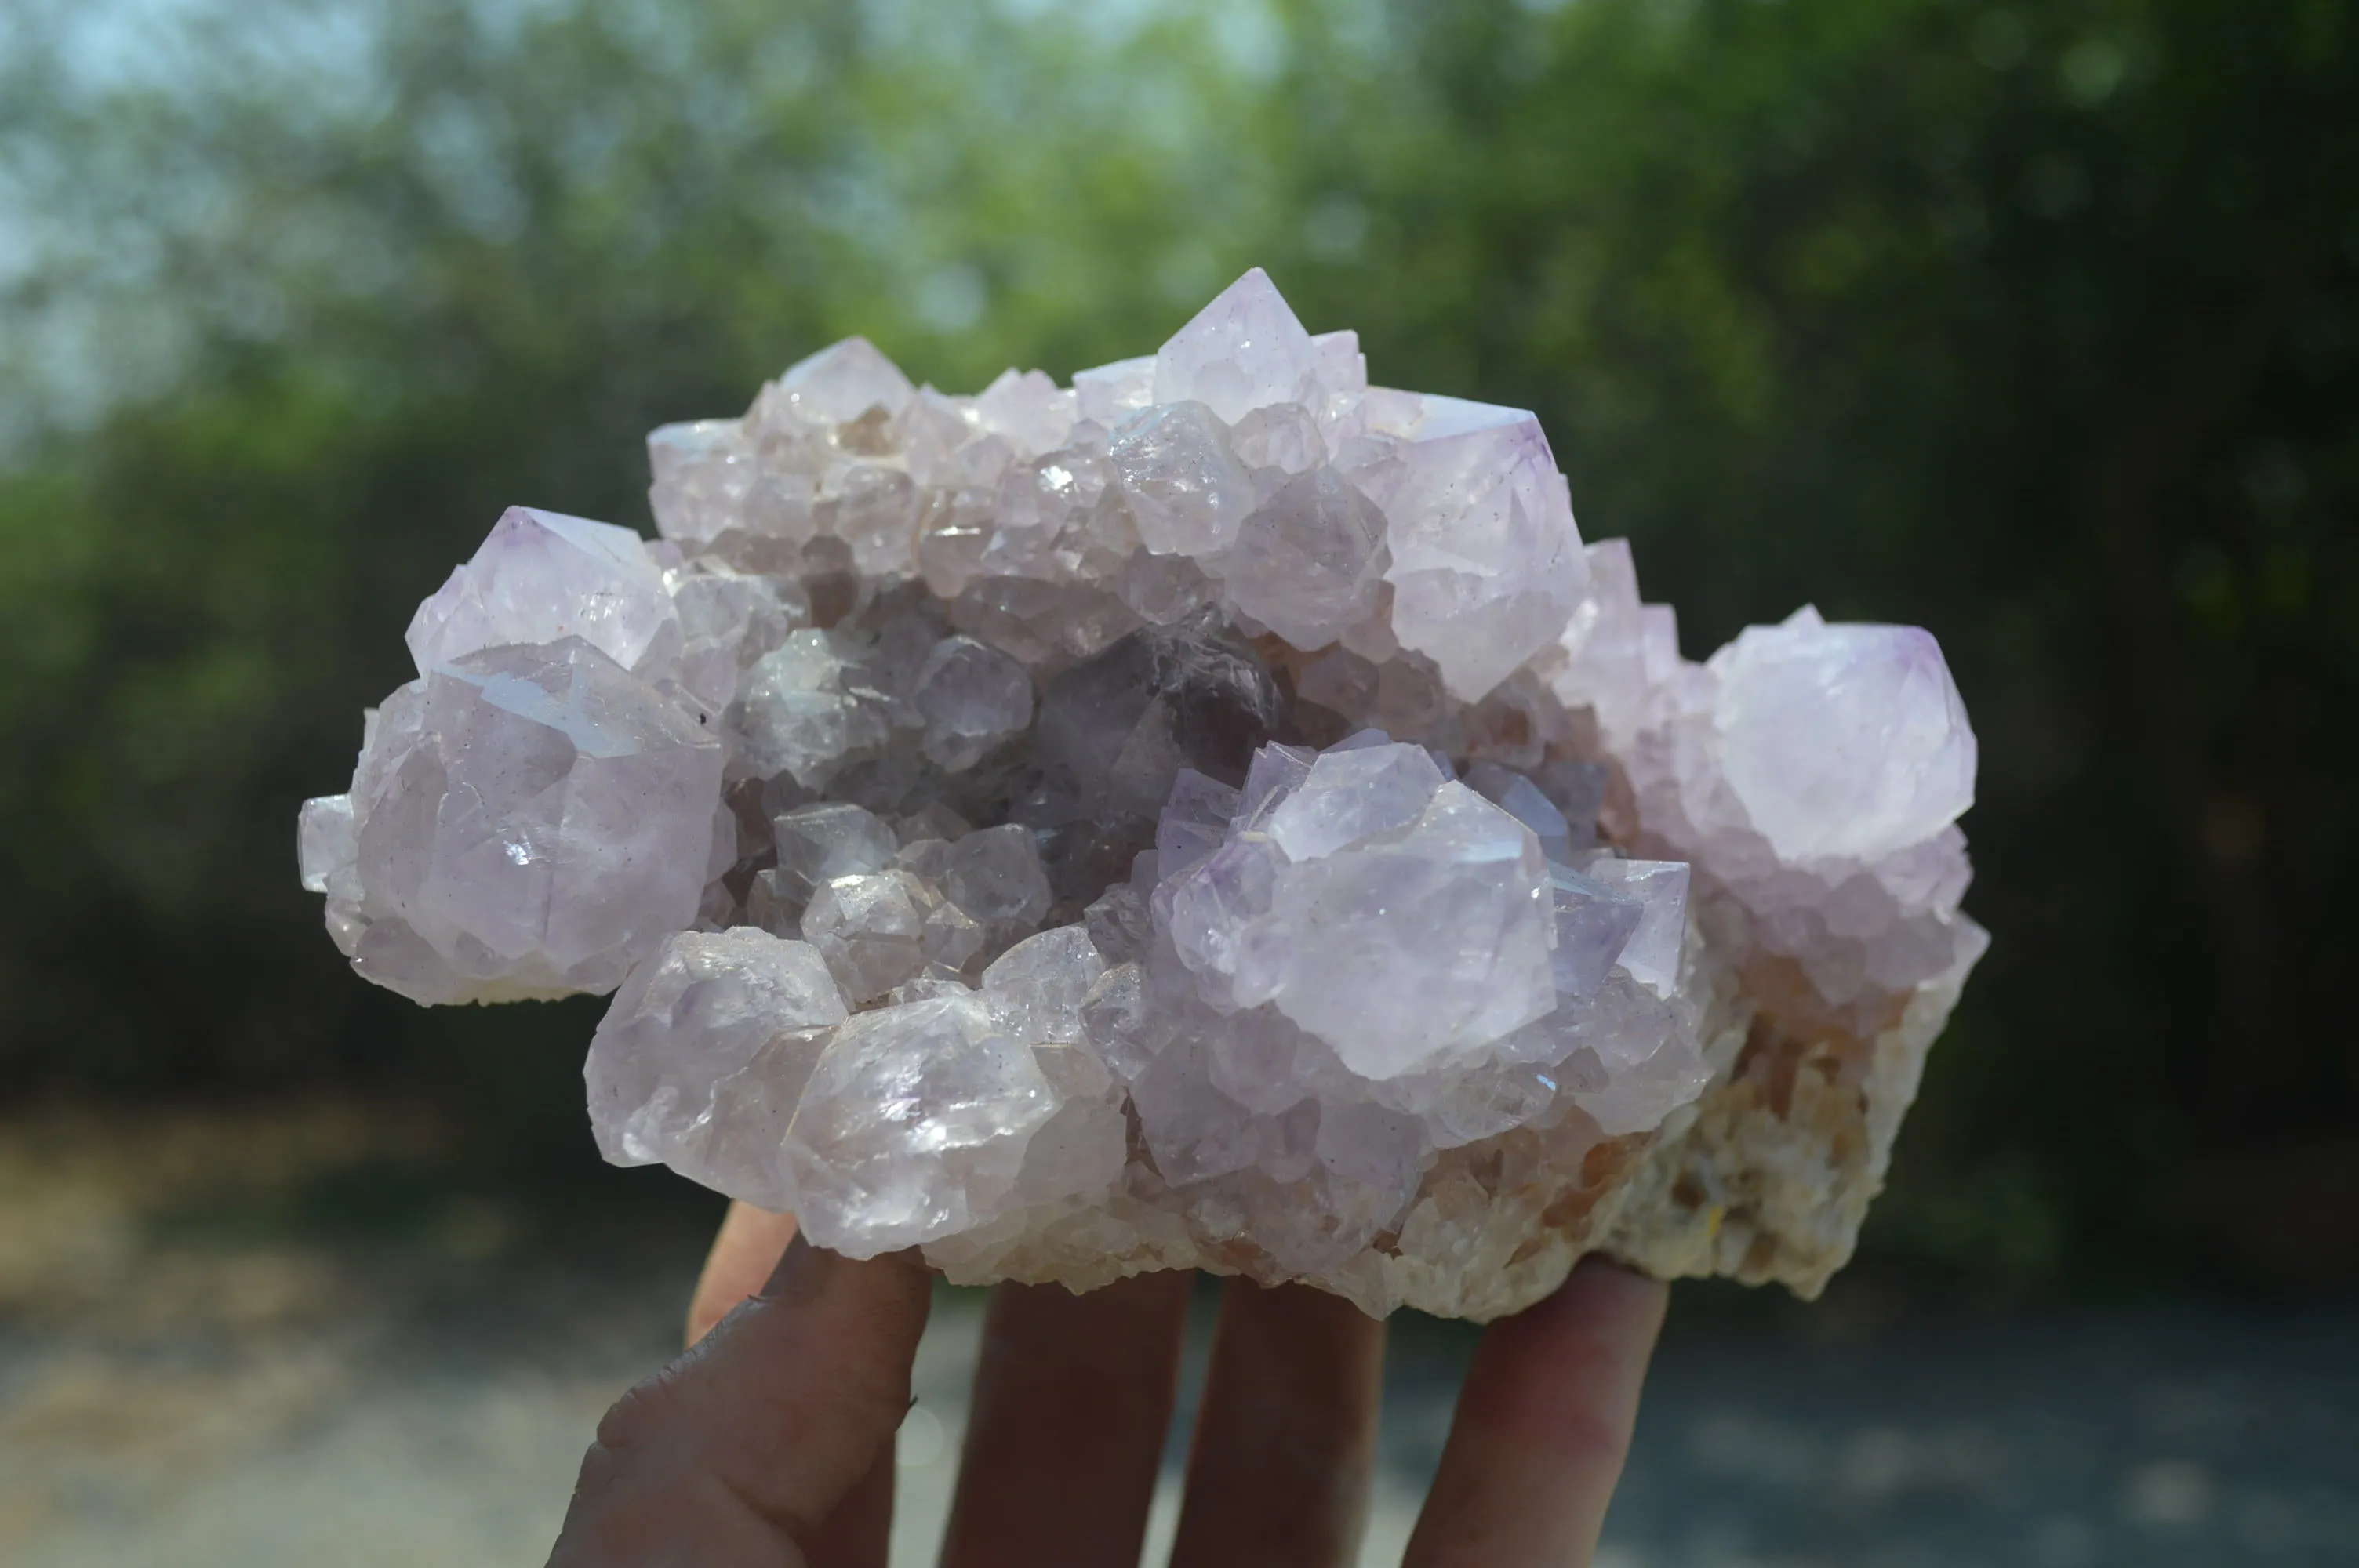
(207, 1397)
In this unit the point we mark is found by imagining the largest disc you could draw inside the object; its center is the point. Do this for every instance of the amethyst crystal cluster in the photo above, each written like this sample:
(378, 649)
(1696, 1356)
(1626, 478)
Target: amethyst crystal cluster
(1217, 813)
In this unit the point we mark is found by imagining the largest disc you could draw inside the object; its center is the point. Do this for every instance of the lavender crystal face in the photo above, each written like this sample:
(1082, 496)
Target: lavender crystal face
(1216, 813)
(542, 576)
(703, 1055)
(528, 820)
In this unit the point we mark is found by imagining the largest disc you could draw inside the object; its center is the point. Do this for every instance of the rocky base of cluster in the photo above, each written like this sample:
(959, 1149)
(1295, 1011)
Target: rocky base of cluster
(1218, 815)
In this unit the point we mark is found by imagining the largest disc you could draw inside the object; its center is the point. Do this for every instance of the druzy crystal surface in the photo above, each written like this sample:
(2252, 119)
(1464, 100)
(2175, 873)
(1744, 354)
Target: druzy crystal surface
(1216, 813)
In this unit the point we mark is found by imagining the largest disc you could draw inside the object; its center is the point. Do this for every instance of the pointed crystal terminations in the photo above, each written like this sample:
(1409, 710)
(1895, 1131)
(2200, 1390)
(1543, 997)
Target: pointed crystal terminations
(1487, 565)
(1897, 761)
(1214, 814)
(1244, 350)
(528, 820)
(1310, 563)
(542, 576)
(703, 1055)
(915, 1126)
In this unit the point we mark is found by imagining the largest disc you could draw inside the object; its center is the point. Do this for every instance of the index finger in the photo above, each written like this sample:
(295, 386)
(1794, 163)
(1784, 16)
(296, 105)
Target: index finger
(736, 1454)
(1543, 1422)
(745, 1253)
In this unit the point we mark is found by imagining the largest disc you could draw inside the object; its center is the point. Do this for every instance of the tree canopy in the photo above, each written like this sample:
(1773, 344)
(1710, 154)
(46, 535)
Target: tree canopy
(2037, 327)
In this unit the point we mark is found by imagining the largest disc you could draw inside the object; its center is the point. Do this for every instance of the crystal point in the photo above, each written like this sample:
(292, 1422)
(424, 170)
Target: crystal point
(914, 1126)
(542, 576)
(1187, 490)
(1243, 351)
(536, 821)
(844, 382)
(667, 1067)
(1309, 563)
(1894, 761)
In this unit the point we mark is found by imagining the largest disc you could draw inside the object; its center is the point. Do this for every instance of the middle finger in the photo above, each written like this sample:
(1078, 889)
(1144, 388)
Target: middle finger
(1071, 1396)
(1283, 1448)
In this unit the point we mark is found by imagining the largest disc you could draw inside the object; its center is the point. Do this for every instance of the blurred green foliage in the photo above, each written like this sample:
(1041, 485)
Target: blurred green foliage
(2039, 327)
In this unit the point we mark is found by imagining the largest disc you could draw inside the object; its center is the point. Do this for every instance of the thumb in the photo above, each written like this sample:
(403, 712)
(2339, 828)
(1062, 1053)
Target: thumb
(738, 1451)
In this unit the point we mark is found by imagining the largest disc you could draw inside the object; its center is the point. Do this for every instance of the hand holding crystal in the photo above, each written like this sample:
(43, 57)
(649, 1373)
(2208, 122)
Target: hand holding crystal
(770, 1441)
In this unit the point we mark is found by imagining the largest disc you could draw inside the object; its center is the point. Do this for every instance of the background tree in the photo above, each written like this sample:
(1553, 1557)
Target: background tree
(2039, 327)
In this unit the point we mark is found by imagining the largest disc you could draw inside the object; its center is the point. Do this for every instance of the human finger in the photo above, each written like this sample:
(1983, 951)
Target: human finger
(747, 1248)
(1542, 1426)
(1065, 1431)
(858, 1531)
(1279, 1471)
(737, 1452)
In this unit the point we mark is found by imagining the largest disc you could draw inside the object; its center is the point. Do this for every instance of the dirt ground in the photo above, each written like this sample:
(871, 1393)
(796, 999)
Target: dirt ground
(241, 1339)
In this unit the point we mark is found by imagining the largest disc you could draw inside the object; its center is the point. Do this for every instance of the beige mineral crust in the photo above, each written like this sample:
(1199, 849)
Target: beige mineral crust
(1764, 1178)
(1216, 814)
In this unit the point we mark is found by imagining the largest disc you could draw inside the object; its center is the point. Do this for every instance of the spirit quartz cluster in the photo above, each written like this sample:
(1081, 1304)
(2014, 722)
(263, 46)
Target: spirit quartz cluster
(1217, 813)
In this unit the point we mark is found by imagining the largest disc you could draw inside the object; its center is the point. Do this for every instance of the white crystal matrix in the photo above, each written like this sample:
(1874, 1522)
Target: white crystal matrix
(1216, 814)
